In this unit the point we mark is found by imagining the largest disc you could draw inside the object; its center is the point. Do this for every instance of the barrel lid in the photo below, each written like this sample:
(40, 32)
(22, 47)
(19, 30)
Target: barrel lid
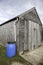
(11, 42)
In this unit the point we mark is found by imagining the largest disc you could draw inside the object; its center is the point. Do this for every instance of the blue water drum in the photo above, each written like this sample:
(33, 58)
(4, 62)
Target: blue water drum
(10, 50)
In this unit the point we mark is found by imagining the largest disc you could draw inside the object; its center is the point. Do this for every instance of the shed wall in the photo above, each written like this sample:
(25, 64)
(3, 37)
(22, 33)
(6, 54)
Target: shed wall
(31, 33)
(8, 33)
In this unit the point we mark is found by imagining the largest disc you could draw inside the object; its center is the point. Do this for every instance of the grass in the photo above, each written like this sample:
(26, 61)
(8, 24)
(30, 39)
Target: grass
(6, 61)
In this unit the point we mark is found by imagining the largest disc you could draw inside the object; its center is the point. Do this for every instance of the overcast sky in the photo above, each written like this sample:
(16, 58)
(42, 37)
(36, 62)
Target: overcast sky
(11, 8)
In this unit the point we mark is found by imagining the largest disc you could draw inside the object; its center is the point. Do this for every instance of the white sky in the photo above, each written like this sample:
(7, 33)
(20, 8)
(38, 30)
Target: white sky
(11, 8)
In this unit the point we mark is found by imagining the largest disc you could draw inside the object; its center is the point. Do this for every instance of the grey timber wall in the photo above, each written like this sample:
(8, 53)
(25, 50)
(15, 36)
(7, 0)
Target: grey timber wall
(8, 33)
(34, 35)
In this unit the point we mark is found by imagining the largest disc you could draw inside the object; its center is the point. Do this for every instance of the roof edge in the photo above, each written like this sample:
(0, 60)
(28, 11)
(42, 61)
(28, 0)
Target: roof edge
(9, 21)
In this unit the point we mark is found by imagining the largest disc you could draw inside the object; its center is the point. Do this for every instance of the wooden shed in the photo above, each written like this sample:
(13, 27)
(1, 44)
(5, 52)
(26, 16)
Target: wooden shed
(25, 29)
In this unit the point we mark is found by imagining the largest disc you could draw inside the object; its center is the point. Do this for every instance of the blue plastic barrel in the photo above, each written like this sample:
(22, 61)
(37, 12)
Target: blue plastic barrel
(10, 50)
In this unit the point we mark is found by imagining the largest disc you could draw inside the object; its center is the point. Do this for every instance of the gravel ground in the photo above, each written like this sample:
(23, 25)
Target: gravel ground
(35, 57)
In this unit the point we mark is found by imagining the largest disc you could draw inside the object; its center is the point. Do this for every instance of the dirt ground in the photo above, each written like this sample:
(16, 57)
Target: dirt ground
(35, 57)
